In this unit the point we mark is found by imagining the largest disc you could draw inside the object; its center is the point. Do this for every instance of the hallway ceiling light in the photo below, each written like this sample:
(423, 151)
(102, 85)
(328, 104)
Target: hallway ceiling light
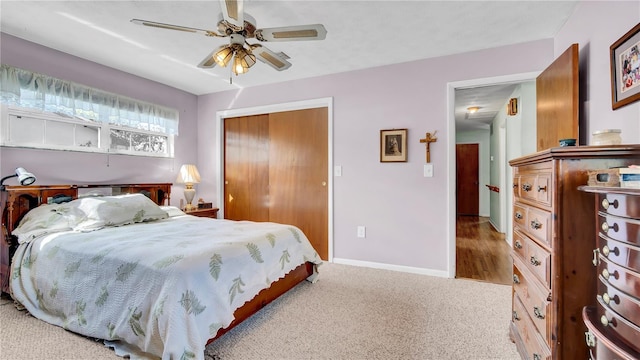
(473, 109)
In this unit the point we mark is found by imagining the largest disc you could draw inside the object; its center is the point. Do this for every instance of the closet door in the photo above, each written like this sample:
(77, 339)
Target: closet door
(298, 163)
(246, 168)
(276, 169)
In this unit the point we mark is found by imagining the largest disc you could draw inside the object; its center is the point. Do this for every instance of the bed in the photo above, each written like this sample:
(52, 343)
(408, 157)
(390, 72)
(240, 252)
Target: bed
(147, 278)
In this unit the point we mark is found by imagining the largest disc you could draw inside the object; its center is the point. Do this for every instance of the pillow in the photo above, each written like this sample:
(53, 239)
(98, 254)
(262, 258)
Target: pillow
(39, 221)
(93, 213)
(173, 211)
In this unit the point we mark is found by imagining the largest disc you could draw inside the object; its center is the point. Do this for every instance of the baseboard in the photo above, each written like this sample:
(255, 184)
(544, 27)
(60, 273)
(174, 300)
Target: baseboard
(400, 268)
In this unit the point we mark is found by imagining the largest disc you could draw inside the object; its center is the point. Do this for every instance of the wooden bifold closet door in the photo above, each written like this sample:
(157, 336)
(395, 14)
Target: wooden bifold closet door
(276, 169)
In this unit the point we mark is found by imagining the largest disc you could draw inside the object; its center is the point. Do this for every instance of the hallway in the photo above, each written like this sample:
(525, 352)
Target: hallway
(481, 252)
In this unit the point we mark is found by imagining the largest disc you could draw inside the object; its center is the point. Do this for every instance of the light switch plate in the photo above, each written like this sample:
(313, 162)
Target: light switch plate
(428, 170)
(337, 170)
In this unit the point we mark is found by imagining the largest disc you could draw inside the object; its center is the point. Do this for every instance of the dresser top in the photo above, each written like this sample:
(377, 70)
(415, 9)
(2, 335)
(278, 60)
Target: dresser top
(610, 190)
(581, 152)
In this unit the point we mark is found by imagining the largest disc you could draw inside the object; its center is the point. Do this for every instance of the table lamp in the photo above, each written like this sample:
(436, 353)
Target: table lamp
(188, 176)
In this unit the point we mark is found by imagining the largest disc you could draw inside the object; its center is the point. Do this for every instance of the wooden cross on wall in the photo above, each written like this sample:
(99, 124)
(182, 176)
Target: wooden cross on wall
(428, 139)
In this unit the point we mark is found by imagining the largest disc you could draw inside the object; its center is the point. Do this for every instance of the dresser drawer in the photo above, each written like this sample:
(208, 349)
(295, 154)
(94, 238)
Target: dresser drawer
(618, 301)
(618, 276)
(534, 299)
(619, 205)
(539, 225)
(619, 228)
(536, 187)
(535, 258)
(520, 215)
(620, 253)
(535, 346)
(602, 346)
(519, 245)
(626, 331)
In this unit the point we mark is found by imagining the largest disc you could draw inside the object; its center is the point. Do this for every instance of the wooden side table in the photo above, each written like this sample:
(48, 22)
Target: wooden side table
(210, 213)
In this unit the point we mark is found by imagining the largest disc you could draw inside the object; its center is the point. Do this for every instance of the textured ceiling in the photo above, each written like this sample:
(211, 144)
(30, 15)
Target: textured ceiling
(358, 32)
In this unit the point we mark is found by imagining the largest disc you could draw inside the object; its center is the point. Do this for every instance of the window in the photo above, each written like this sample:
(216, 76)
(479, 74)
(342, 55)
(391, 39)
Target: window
(43, 112)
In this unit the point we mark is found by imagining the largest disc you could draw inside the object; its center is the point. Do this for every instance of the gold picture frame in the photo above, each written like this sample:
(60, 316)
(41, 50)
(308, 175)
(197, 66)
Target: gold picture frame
(393, 145)
(625, 80)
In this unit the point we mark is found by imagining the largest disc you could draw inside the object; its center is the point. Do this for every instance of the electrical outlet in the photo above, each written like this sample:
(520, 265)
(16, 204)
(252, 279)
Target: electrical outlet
(362, 232)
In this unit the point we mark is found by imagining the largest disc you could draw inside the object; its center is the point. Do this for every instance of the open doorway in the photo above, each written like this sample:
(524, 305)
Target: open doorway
(480, 245)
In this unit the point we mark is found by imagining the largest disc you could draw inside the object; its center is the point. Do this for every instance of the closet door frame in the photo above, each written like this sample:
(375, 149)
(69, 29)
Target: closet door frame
(267, 109)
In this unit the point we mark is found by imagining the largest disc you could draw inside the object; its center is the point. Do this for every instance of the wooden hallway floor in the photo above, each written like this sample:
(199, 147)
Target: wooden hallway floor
(481, 252)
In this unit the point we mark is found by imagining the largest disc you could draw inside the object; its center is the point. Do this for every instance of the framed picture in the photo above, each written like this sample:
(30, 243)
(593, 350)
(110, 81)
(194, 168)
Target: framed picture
(625, 69)
(393, 145)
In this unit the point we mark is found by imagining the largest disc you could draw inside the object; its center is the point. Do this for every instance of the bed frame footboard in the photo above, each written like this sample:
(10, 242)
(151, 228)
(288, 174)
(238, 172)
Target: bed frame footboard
(266, 296)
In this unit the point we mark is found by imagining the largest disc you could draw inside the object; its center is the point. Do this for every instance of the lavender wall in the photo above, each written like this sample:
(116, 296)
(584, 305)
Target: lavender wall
(404, 212)
(63, 167)
(595, 25)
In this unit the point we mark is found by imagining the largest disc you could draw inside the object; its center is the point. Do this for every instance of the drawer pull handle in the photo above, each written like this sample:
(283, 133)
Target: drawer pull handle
(516, 279)
(515, 316)
(606, 227)
(542, 188)
(606, 204)
(606, 251)
(515, 186)
(606, 322)
(518, 245)
(607, 299)
(526, 187)
(518, 215)
(590, 339)
(538, 313)
(607, 275)
(537, 356)
(535, 224)
(535, 262)
(596, 260)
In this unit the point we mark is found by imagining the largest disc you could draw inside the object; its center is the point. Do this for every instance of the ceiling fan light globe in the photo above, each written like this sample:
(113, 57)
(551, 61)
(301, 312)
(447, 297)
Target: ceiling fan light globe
(238, 67)
(223, 56)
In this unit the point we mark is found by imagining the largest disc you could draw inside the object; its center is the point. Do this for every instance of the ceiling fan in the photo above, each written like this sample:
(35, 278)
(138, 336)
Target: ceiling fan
(239, 26)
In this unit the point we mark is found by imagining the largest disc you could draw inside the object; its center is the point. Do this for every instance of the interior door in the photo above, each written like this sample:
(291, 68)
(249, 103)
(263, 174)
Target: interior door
(246, 168)
(557, 101)
(276, 169)
(467, 179)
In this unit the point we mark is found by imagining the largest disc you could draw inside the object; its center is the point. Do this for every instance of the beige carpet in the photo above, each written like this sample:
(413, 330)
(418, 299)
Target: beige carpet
(350, 313)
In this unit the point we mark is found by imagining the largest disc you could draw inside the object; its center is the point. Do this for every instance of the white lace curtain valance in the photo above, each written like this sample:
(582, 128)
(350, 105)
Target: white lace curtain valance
(31, 90)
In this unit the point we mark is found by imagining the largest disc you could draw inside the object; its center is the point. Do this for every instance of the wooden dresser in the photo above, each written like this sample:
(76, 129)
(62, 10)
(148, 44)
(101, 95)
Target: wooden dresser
(553, 242)
(614, 323)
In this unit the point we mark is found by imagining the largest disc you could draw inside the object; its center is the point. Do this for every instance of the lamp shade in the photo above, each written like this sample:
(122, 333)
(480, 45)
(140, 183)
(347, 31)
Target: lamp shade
(25, 177)
(188, 174)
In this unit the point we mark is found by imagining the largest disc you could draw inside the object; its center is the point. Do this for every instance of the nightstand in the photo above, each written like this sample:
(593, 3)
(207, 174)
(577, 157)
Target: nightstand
(210, 213)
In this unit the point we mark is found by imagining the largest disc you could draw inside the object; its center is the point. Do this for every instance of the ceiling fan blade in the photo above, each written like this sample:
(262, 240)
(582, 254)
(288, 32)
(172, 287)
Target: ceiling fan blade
(208, 62)
(292, 33)
(276, 61)
(175, 27)
(233, 13)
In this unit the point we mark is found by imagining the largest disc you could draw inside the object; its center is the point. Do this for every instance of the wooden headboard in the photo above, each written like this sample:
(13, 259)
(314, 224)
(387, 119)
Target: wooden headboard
(16, 201)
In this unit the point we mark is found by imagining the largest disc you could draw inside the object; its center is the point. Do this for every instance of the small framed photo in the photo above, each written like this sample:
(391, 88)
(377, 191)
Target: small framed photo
(393, 145)
(625, 69)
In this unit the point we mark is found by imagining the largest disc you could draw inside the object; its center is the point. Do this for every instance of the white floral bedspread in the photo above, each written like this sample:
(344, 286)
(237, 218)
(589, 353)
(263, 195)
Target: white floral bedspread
(158, 289)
